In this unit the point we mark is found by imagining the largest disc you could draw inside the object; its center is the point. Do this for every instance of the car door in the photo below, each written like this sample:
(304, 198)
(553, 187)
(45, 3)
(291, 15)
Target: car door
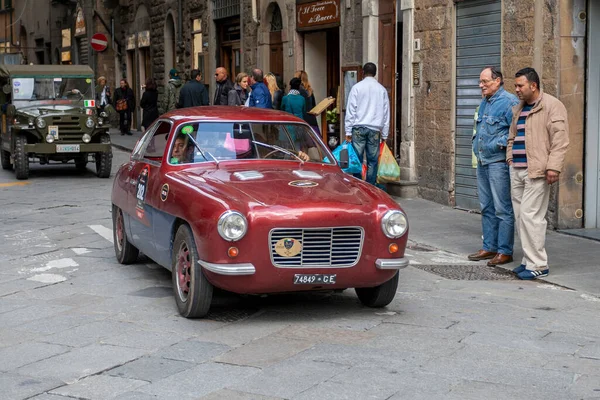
(144, 188)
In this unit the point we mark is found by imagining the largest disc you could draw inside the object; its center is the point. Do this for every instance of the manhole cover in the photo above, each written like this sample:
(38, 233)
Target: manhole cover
(468, 272)
(226, 314)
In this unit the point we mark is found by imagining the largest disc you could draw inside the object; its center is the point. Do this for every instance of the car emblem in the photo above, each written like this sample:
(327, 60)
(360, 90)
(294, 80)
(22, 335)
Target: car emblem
(164, 192)
(288, 247)
(303, 183)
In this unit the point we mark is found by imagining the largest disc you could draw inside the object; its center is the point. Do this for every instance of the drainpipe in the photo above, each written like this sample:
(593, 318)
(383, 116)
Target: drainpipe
(180, 24)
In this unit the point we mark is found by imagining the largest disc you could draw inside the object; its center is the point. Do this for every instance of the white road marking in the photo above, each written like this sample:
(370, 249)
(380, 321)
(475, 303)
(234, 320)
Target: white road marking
(103, 231)
(47, 278)
(80, 250)
(589, 297)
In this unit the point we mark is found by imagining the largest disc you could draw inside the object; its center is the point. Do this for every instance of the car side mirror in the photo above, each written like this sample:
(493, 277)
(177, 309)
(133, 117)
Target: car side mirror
(11, 111)
(344, 160)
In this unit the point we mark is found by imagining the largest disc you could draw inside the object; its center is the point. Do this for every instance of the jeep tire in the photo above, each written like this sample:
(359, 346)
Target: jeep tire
(104, 159)
(5, 158)
(21, 157)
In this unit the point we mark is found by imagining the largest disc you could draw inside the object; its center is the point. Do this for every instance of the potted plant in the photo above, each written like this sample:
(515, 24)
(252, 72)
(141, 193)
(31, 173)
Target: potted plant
(332, 117)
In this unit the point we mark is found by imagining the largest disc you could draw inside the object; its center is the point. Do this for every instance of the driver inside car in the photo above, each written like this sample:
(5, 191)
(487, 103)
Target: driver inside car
(182, 150)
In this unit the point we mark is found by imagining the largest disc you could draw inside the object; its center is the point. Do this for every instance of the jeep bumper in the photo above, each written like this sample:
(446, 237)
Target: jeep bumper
(47, 148)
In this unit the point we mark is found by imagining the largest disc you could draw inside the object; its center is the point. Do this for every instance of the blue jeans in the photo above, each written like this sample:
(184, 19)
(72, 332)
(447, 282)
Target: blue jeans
(497, 216)
(362, 138)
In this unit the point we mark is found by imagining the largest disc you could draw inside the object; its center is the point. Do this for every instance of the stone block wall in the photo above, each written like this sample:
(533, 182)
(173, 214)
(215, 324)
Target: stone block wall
(434, 131)
(352, 34)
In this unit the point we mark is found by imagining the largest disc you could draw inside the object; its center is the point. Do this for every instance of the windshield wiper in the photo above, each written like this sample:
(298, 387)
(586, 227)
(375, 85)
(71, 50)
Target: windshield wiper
(281, 149)
(203, 151)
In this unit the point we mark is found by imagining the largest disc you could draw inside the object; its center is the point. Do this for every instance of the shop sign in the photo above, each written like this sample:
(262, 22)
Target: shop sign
(79, 23)
(131, 42)
(144, 39)
(318, 13)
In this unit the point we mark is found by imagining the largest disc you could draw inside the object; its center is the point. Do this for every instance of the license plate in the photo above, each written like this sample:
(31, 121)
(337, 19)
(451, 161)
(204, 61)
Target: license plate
(67, 148)
(314, 279)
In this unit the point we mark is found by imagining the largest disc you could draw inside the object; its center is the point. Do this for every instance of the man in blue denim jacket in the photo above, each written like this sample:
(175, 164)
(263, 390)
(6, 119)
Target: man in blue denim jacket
(493, 175)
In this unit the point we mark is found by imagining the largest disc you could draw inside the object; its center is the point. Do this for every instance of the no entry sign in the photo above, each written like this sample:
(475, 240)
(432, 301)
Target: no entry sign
(99, 42)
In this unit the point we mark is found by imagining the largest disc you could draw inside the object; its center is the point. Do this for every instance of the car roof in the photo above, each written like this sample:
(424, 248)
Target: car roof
(230, 113)
(7, 70)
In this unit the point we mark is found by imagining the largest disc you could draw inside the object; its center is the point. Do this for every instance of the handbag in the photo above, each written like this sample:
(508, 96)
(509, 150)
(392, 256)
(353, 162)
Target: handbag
(121, 105)
(354, 164)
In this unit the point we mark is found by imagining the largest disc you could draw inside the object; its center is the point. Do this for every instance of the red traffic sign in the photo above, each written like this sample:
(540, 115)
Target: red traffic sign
(99, 42)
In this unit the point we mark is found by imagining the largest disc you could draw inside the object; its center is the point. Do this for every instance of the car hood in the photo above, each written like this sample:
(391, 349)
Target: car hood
(37, 110)
(269, 186)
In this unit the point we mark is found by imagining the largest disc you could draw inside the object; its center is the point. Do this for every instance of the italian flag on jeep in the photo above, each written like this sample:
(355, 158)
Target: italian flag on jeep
(89, 103)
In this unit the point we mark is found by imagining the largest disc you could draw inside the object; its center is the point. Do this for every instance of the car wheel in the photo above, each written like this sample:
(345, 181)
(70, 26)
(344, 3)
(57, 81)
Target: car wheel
(104, 160)
(193, 292)
(21, 157)
(126, 252)
(378, 296)
(81, 163)
(5, 158)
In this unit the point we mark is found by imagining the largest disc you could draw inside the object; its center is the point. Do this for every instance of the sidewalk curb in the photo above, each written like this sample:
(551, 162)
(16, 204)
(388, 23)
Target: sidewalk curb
(121, 147)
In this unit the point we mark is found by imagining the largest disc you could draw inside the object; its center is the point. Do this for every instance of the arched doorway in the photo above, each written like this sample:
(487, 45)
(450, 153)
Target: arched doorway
(275, 40)
(23, 44)
(169, 34)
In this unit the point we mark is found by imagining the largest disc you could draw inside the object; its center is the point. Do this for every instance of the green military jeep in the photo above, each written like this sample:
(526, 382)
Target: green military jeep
(49, 114)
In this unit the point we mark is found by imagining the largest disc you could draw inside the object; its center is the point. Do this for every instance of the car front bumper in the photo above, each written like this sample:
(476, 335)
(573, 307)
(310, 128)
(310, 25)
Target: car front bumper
(249, 269)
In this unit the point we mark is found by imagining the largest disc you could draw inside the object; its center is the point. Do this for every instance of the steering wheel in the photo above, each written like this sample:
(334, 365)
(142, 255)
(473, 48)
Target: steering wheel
(275, 151)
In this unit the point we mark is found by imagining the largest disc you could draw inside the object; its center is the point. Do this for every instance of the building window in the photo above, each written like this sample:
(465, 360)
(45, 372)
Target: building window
(65, 54)
(197, 47)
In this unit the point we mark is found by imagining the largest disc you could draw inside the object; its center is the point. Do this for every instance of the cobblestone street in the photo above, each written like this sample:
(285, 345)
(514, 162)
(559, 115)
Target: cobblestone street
(76, 324)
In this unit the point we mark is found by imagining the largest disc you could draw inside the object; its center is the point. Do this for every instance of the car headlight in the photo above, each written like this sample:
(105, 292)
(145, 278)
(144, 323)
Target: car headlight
(49, 138)
(394, 224)
(40, 123)
(232, 226)
(86, 138)
(90, 123)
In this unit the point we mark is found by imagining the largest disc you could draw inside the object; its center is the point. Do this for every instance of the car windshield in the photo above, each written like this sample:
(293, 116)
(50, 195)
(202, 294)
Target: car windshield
(33, 89)
(221, 141)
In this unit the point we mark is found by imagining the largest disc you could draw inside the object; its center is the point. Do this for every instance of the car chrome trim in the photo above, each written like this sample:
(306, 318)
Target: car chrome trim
(346, 242)
(228, 269)
(307, 174)
(248, 175)
(394, 263)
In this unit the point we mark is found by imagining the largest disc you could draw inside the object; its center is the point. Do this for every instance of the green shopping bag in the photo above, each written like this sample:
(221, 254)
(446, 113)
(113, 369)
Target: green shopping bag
(388, 169)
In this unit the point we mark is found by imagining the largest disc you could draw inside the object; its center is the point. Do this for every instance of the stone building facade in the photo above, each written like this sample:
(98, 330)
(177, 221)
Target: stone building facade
(547, 35)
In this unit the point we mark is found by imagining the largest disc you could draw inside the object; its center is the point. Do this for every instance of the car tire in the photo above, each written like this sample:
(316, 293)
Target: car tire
(21, 158)
(81, 163)
(193, 292)
(126, 252)
(5, 158)
(104, 160)
(378, 296)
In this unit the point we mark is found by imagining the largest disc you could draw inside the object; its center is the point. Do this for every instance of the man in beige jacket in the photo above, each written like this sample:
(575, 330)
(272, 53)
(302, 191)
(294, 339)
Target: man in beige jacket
(537, 143)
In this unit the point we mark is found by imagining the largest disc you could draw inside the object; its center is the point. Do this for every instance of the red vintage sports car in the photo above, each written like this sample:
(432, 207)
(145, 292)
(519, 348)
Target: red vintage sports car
(251, 201)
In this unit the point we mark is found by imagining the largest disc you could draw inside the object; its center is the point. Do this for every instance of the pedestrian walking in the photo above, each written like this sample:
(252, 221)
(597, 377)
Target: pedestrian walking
(124, 104)
(102, 94)
(276, 92)
(238, 95)
(294, 103)
(224, 85)
(170, 97)
(537, 144)
(149, 104)
(306, 91)
(193, 93)
(367, 120)
(259, 96)
(494, 117)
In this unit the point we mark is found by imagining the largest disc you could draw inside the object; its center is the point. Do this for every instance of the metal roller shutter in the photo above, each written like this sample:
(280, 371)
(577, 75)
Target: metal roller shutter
(478, 35)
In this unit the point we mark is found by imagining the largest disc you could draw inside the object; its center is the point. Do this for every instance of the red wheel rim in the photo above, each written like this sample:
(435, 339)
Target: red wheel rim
(120, 231)
(183, 270)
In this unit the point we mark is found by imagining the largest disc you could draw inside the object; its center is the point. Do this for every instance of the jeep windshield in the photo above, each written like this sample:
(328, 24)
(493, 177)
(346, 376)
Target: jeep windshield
(36, 89)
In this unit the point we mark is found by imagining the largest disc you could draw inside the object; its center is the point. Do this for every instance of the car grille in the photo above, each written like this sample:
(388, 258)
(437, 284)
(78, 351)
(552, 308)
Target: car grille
(68, 127)
(321, 247)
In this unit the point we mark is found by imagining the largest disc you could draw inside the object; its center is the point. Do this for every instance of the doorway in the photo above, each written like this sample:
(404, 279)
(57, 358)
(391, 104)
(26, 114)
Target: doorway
(229, 55)
(387, 59)
(276, 41)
